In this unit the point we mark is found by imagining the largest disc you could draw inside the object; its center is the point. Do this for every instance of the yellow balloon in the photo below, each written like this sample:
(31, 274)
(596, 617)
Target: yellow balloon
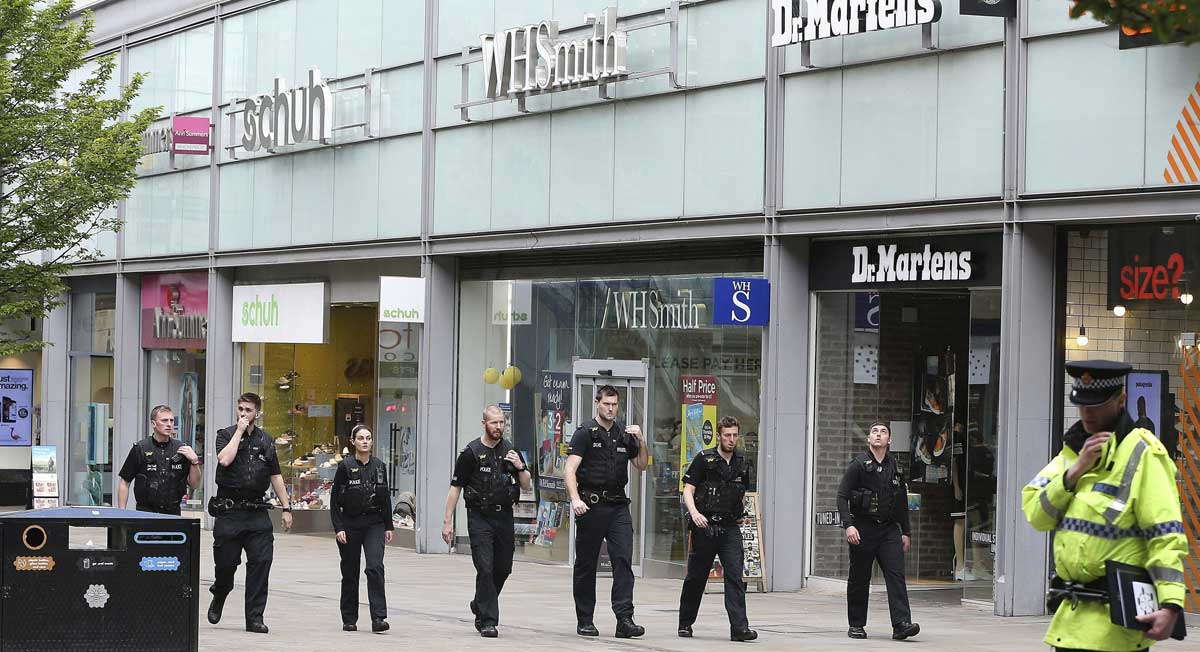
(506, 380)
(490, 375)
(516, 373)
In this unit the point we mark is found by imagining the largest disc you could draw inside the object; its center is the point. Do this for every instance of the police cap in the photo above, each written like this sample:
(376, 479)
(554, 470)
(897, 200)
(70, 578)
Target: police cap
(1095, 382)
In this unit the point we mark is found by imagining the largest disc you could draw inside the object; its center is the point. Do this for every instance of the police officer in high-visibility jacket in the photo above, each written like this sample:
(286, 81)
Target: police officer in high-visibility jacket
(1110, 494)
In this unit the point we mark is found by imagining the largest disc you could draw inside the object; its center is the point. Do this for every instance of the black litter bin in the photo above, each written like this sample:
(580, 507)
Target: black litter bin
(99, 579)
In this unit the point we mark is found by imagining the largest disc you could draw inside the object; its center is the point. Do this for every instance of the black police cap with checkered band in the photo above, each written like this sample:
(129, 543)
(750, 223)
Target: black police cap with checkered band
(1095, 382)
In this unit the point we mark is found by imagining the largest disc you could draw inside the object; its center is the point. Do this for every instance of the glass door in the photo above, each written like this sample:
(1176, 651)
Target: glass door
(628, 377)
(977, 451)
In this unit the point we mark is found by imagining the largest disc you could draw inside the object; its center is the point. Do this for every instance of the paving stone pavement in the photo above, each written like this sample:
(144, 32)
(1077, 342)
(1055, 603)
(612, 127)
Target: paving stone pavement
(428, 596)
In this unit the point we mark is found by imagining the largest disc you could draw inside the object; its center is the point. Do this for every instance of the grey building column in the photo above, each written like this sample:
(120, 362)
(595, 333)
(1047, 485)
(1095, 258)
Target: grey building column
(783, 452)
(129, 422)
(56, 386)
(220, 379)
(436, 384)
(1027, 394)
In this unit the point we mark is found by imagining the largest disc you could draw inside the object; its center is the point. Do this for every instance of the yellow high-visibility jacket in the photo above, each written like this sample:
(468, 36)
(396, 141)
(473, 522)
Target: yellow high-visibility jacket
(1126, 508)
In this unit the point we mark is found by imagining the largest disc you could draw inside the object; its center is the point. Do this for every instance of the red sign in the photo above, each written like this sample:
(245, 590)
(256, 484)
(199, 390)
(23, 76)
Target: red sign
(175, 311)
(190, 135)
(1151, 282)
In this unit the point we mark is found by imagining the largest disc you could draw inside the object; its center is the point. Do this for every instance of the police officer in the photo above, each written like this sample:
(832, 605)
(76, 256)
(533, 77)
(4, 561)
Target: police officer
(713, 489)
(247, 466)
(160, 467)
(873, 502)
(360, 507)
(596, 474)
(487, 473)
(1110, 494)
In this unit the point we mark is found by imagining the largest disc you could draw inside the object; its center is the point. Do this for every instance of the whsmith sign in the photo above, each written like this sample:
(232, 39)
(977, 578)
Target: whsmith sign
(938, 261)
(797, 21)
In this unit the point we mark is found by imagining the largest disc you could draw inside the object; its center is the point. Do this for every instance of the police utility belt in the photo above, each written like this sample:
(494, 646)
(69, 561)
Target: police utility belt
(1098, 591)
(593, 497)
(218, 506)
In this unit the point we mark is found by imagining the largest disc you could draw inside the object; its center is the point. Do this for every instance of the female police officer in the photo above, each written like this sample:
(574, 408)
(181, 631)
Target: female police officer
(362, 518)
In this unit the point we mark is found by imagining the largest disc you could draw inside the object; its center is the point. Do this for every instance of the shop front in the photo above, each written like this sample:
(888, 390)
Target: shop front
(324, 358)
(174, 337)
(539, 348)
(1129, 293)
(907, 331)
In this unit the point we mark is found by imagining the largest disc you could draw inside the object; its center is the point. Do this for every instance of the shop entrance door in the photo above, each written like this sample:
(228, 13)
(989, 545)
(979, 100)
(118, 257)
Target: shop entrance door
(629, 378)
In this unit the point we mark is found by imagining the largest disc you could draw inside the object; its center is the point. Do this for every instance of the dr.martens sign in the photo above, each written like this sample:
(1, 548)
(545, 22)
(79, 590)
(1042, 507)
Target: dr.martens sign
(933, 262)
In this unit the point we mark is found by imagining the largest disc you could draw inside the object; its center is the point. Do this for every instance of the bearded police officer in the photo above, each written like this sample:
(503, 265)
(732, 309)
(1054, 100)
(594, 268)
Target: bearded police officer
(490, 475)
(1109, 495)
(873, 503)
(713, 489)
(360, 507)
(247, 466)
(160, 467)
(596, 474)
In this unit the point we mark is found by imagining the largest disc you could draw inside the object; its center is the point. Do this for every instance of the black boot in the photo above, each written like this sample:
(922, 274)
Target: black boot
(905, 630)
(685, 631)
(478, 622)
(379, 625)
(257, 626)
(586, 629)
(215, 607)
(626, 628)
(743, 635)
(488, 631)
(856, 632)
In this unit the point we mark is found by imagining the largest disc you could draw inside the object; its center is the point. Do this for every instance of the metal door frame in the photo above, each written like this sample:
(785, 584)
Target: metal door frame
(620, 373)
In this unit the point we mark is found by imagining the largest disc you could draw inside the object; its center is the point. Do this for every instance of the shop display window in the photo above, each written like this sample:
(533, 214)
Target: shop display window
(928, 364)
(518, 343)
(90, 435)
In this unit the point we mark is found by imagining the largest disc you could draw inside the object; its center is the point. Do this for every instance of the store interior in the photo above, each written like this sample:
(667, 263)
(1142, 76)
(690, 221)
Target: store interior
(928, 364)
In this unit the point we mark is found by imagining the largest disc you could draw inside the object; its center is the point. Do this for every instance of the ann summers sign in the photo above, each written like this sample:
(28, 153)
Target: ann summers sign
(945, 261)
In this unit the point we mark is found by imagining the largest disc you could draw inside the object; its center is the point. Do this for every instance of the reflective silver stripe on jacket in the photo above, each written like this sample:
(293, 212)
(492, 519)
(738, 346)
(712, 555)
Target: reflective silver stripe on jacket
(1097, 529)
(1039, 482)
(1049, 507)
(1164, 574)
(1117, 506)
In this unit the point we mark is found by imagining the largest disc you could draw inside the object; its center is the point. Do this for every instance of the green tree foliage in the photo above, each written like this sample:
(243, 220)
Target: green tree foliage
(65, 157)
(1169, 20)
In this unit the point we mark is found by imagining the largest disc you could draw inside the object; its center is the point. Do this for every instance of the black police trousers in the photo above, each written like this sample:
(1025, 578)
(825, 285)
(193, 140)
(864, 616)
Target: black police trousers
(611, 522)
(879, 542)
(715, 540)
(492, 546)
(250, 531)
(362, 541)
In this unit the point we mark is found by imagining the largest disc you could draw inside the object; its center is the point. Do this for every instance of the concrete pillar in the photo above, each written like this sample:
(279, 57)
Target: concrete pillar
(221, 377)
(1028, 392)
(783, 455)
(56, 370)
(129, 421)
(436, 385)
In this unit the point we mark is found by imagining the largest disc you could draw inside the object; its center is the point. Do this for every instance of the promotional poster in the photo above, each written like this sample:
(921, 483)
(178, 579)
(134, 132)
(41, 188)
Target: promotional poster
(16, 407)
(556, 409)
(699, 418)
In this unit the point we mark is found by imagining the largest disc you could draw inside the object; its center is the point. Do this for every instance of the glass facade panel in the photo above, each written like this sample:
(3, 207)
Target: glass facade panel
(581, 165)
(400, 174)
(522, 196)
(721, 44)
(539, 327)
(90, 415)
(462, 202)
(648, 171)
(168, 214)
(1050, 16)
(398, 102)
(403, 32)
(812, 145)
(723, 169)
(178, 71)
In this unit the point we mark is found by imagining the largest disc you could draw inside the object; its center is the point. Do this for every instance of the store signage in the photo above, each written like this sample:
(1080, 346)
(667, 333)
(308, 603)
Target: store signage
(818, 19)
(185, 135)
(16, 407)
(288, 117)
(741, 301)
(638, 309)
(512, 303)
(1151, 266)
(175, 311)
(945, 261)
(285, 313)
(402, 299)
(997, 8)
(532, 58)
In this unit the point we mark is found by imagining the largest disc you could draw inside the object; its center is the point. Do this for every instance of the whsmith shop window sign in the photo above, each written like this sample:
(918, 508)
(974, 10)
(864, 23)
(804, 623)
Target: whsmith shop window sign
(941, 261)
(796, 21)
